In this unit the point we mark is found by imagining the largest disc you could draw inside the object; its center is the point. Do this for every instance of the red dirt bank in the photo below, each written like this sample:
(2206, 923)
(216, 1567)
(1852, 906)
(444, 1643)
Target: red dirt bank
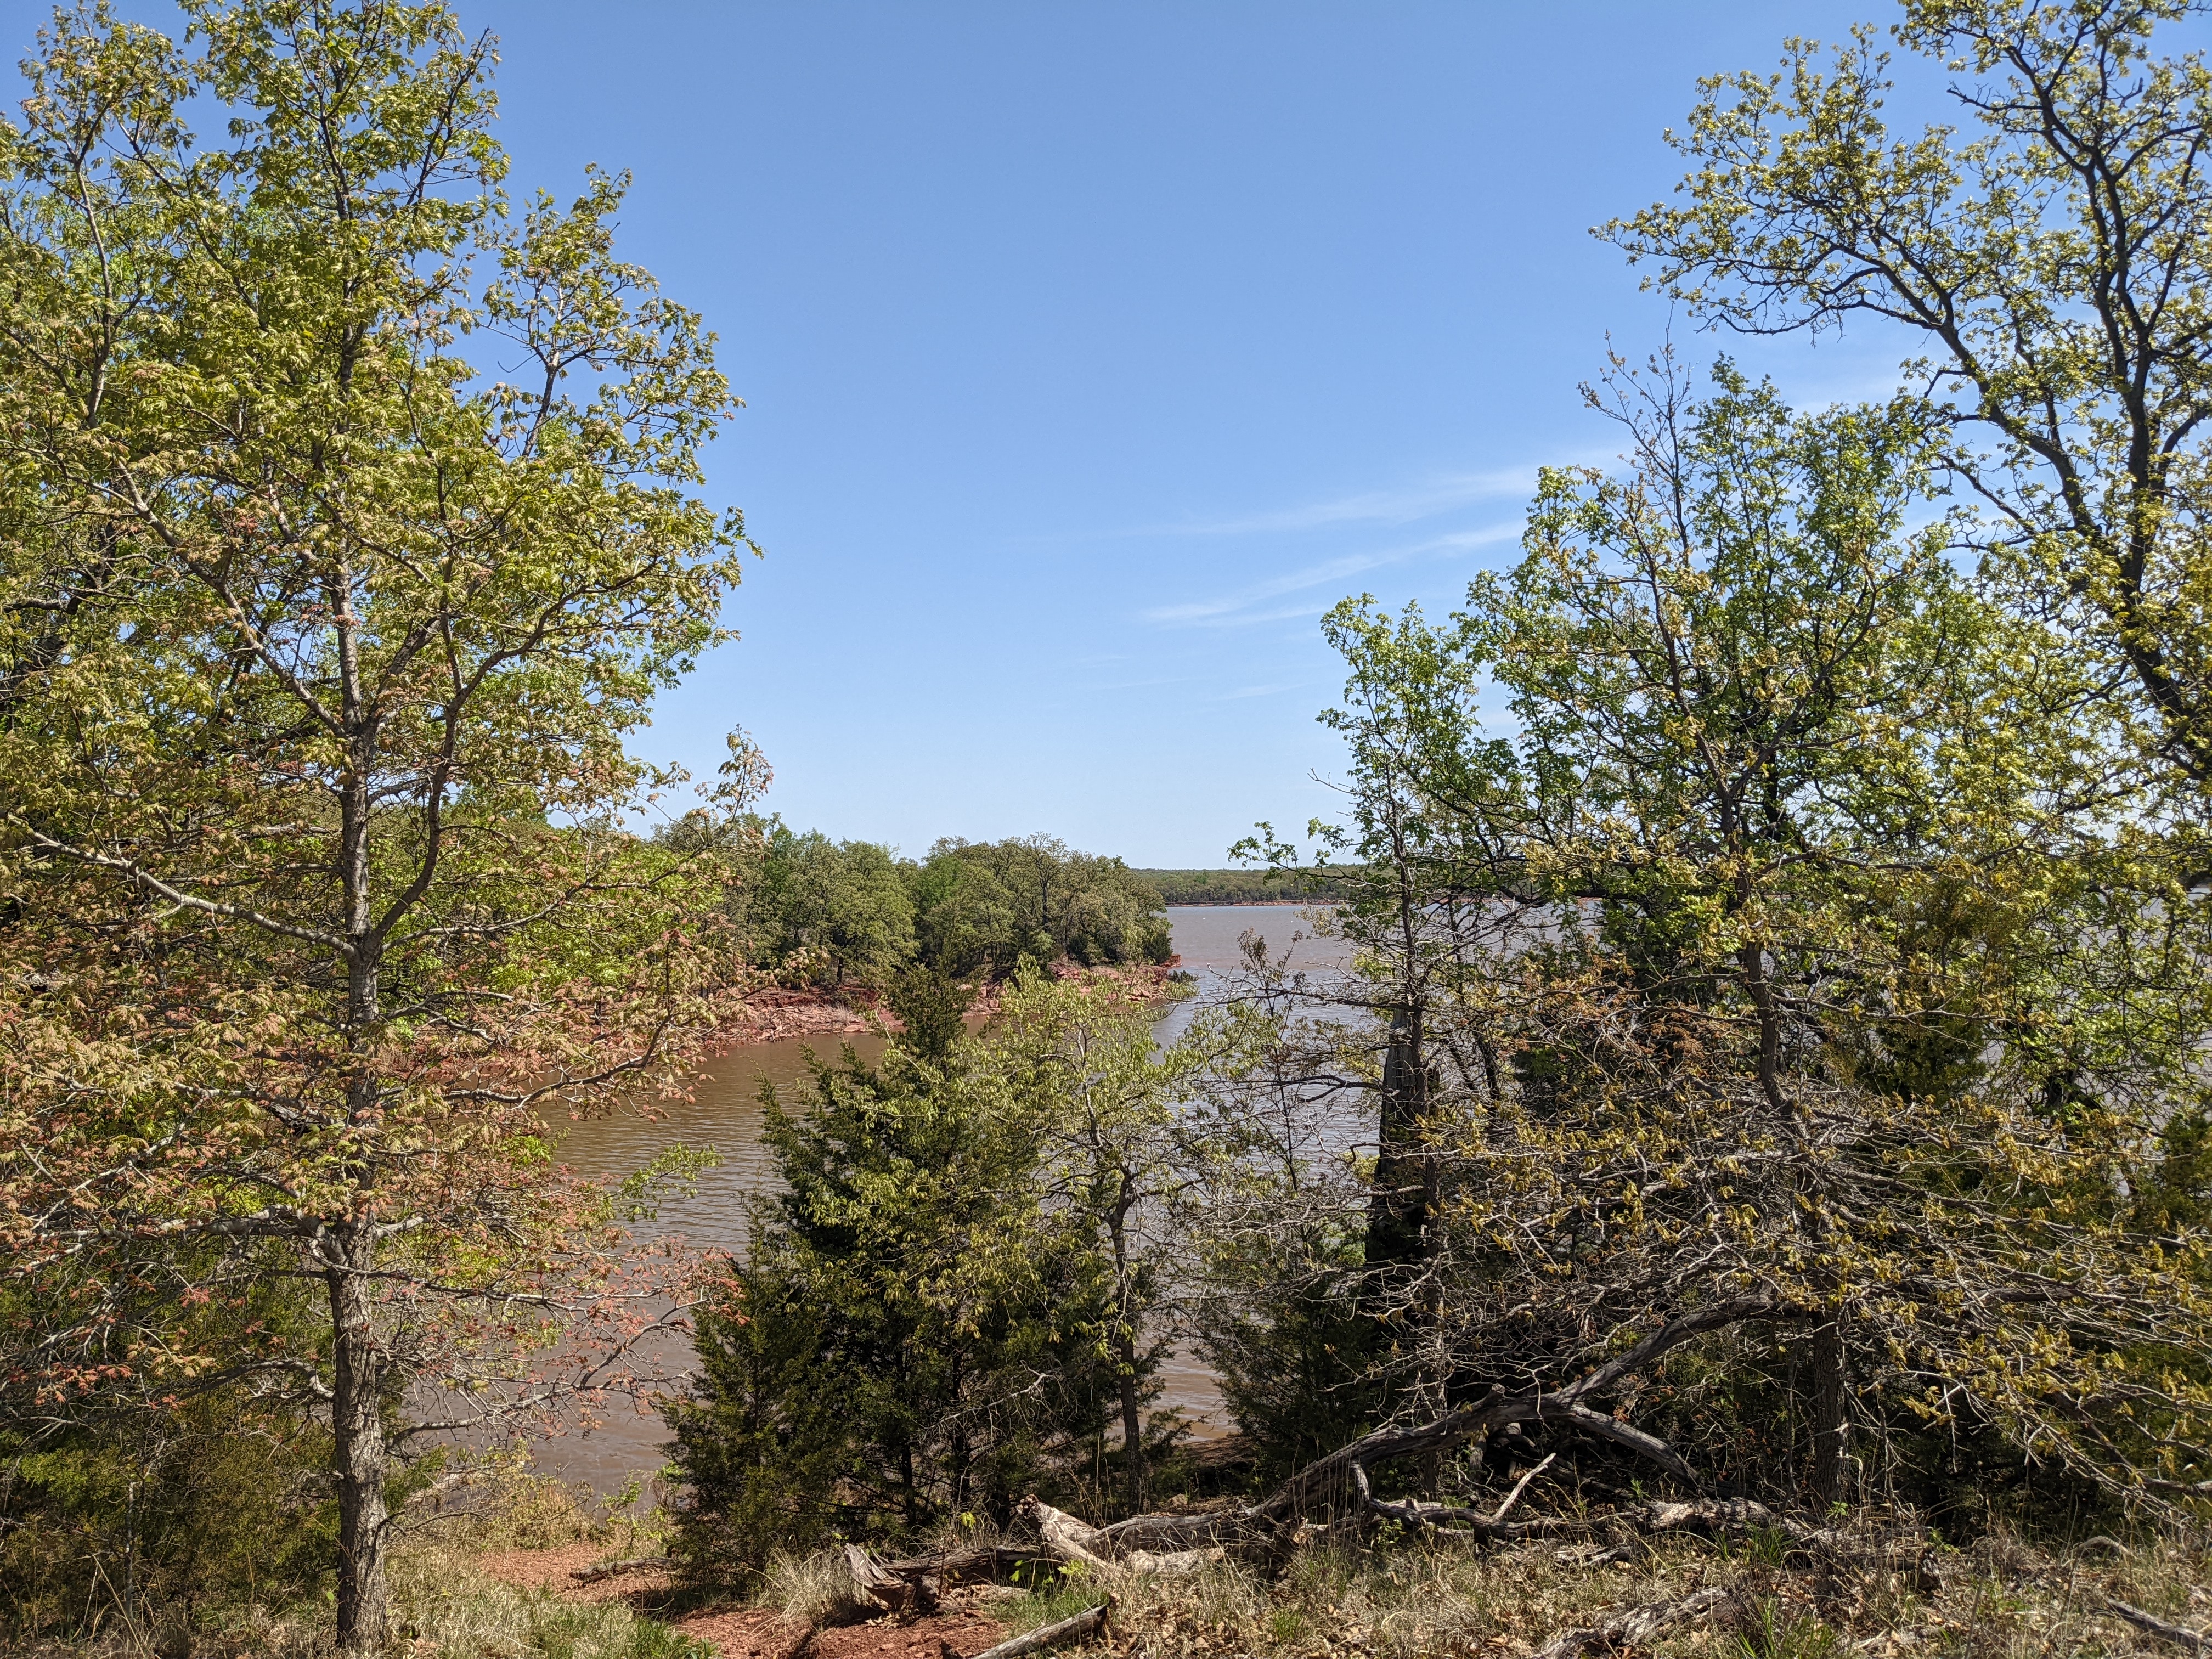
(775, 1014)
(957, 1632)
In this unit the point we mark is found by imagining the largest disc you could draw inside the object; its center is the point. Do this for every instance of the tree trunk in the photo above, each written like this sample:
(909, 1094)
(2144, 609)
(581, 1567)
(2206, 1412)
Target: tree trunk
(360, 1452)
(1132, 1430)
(1125, 1343)
(1831, 1413)
(1397, 1213)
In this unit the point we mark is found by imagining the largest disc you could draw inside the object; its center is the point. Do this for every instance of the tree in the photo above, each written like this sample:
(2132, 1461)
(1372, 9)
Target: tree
(1799, 965)
(907, 1338)
(964, 917)
(1001, 901)
(2052, 262)
(839, 909)
(320, 646)
(1127, 1142)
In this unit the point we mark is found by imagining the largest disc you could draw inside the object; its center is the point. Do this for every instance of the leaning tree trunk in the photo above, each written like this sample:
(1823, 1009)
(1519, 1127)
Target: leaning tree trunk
(359, 1451)
(1399, 1216)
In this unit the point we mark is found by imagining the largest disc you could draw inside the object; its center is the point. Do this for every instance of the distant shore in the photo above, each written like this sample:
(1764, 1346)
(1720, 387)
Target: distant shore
(1250, 904)
(1218, 888)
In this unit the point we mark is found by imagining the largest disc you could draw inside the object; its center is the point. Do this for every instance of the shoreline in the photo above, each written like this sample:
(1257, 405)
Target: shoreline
(1253, 904)
(777, 1013)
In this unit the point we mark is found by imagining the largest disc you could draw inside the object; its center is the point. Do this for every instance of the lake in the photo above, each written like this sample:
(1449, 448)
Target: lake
(724, 1112)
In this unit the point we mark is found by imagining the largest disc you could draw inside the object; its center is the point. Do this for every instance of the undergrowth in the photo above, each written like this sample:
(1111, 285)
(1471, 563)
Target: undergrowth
(443, 1604)
(2000, 1598)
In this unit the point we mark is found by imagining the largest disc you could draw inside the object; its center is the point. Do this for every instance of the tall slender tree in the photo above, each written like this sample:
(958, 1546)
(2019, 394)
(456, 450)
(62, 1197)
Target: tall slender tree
(318, 643)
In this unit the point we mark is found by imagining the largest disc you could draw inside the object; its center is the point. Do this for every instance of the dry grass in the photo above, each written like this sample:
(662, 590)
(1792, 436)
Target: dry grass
(502, 1506)
(814, 1590)
(444, 1606)
(1999, 1599)
(441, 1603)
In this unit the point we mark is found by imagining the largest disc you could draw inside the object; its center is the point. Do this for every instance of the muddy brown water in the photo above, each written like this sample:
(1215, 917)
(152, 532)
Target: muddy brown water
(724, 1113)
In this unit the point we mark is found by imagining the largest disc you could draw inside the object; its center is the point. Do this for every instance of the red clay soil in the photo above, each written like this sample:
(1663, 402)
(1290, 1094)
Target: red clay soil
(774, 1013)
(955, 1631)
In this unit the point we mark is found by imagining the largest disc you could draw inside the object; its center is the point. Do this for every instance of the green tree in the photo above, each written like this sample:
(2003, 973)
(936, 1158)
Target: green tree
(905, 1339)
(963, 916)
(1127, 1144)
(834, 910)
(1001, 901)
(320, 641)
(1799, 959)
(2050, 261)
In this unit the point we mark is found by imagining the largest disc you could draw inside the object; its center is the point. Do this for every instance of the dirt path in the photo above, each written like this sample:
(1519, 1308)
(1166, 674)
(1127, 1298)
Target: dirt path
(956, 1632)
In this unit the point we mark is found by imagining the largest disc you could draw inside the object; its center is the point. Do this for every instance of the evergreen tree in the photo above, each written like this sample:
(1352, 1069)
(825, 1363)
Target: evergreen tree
(906, 1339)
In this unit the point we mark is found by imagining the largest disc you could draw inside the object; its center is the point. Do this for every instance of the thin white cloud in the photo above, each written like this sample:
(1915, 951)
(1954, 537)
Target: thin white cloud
(1235, 609)
(1262, 691)
(1405, 506)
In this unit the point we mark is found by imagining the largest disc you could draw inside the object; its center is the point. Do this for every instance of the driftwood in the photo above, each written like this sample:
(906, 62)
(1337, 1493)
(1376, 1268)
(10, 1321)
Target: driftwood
(1037, 1641)
(1633, 1627)
(889, 1590)
(1067, 1538)
(2151, 1625)
(1072, 1541)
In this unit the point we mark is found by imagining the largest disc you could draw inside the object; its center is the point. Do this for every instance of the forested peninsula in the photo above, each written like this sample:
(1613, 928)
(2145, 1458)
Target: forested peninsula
(1738, 1186)
(826, 926)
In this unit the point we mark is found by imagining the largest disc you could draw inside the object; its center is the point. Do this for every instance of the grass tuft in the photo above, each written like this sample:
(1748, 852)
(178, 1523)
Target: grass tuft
(813, 1590)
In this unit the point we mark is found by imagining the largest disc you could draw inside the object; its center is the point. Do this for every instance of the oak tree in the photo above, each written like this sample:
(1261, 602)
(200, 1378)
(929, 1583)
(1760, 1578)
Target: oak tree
(353, 518)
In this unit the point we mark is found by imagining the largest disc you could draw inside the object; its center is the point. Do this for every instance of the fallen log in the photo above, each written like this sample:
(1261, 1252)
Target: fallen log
(1336, 1482)
(1072, 1541)
(1632, 1628)
(969, 1563)
(1067, 1630)
(2151, 1625)
(1067, 1538)
(617, 1569)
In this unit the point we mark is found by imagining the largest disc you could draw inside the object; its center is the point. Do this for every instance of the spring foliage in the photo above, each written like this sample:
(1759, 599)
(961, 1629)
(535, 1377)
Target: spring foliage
(318, 646)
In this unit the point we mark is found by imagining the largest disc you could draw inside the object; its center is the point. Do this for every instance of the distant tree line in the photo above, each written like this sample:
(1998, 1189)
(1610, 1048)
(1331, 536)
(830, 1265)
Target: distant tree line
(1242, 886)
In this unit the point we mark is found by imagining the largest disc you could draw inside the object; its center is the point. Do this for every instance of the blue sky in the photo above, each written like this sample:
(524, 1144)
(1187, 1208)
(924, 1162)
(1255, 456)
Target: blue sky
(1091, 350)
